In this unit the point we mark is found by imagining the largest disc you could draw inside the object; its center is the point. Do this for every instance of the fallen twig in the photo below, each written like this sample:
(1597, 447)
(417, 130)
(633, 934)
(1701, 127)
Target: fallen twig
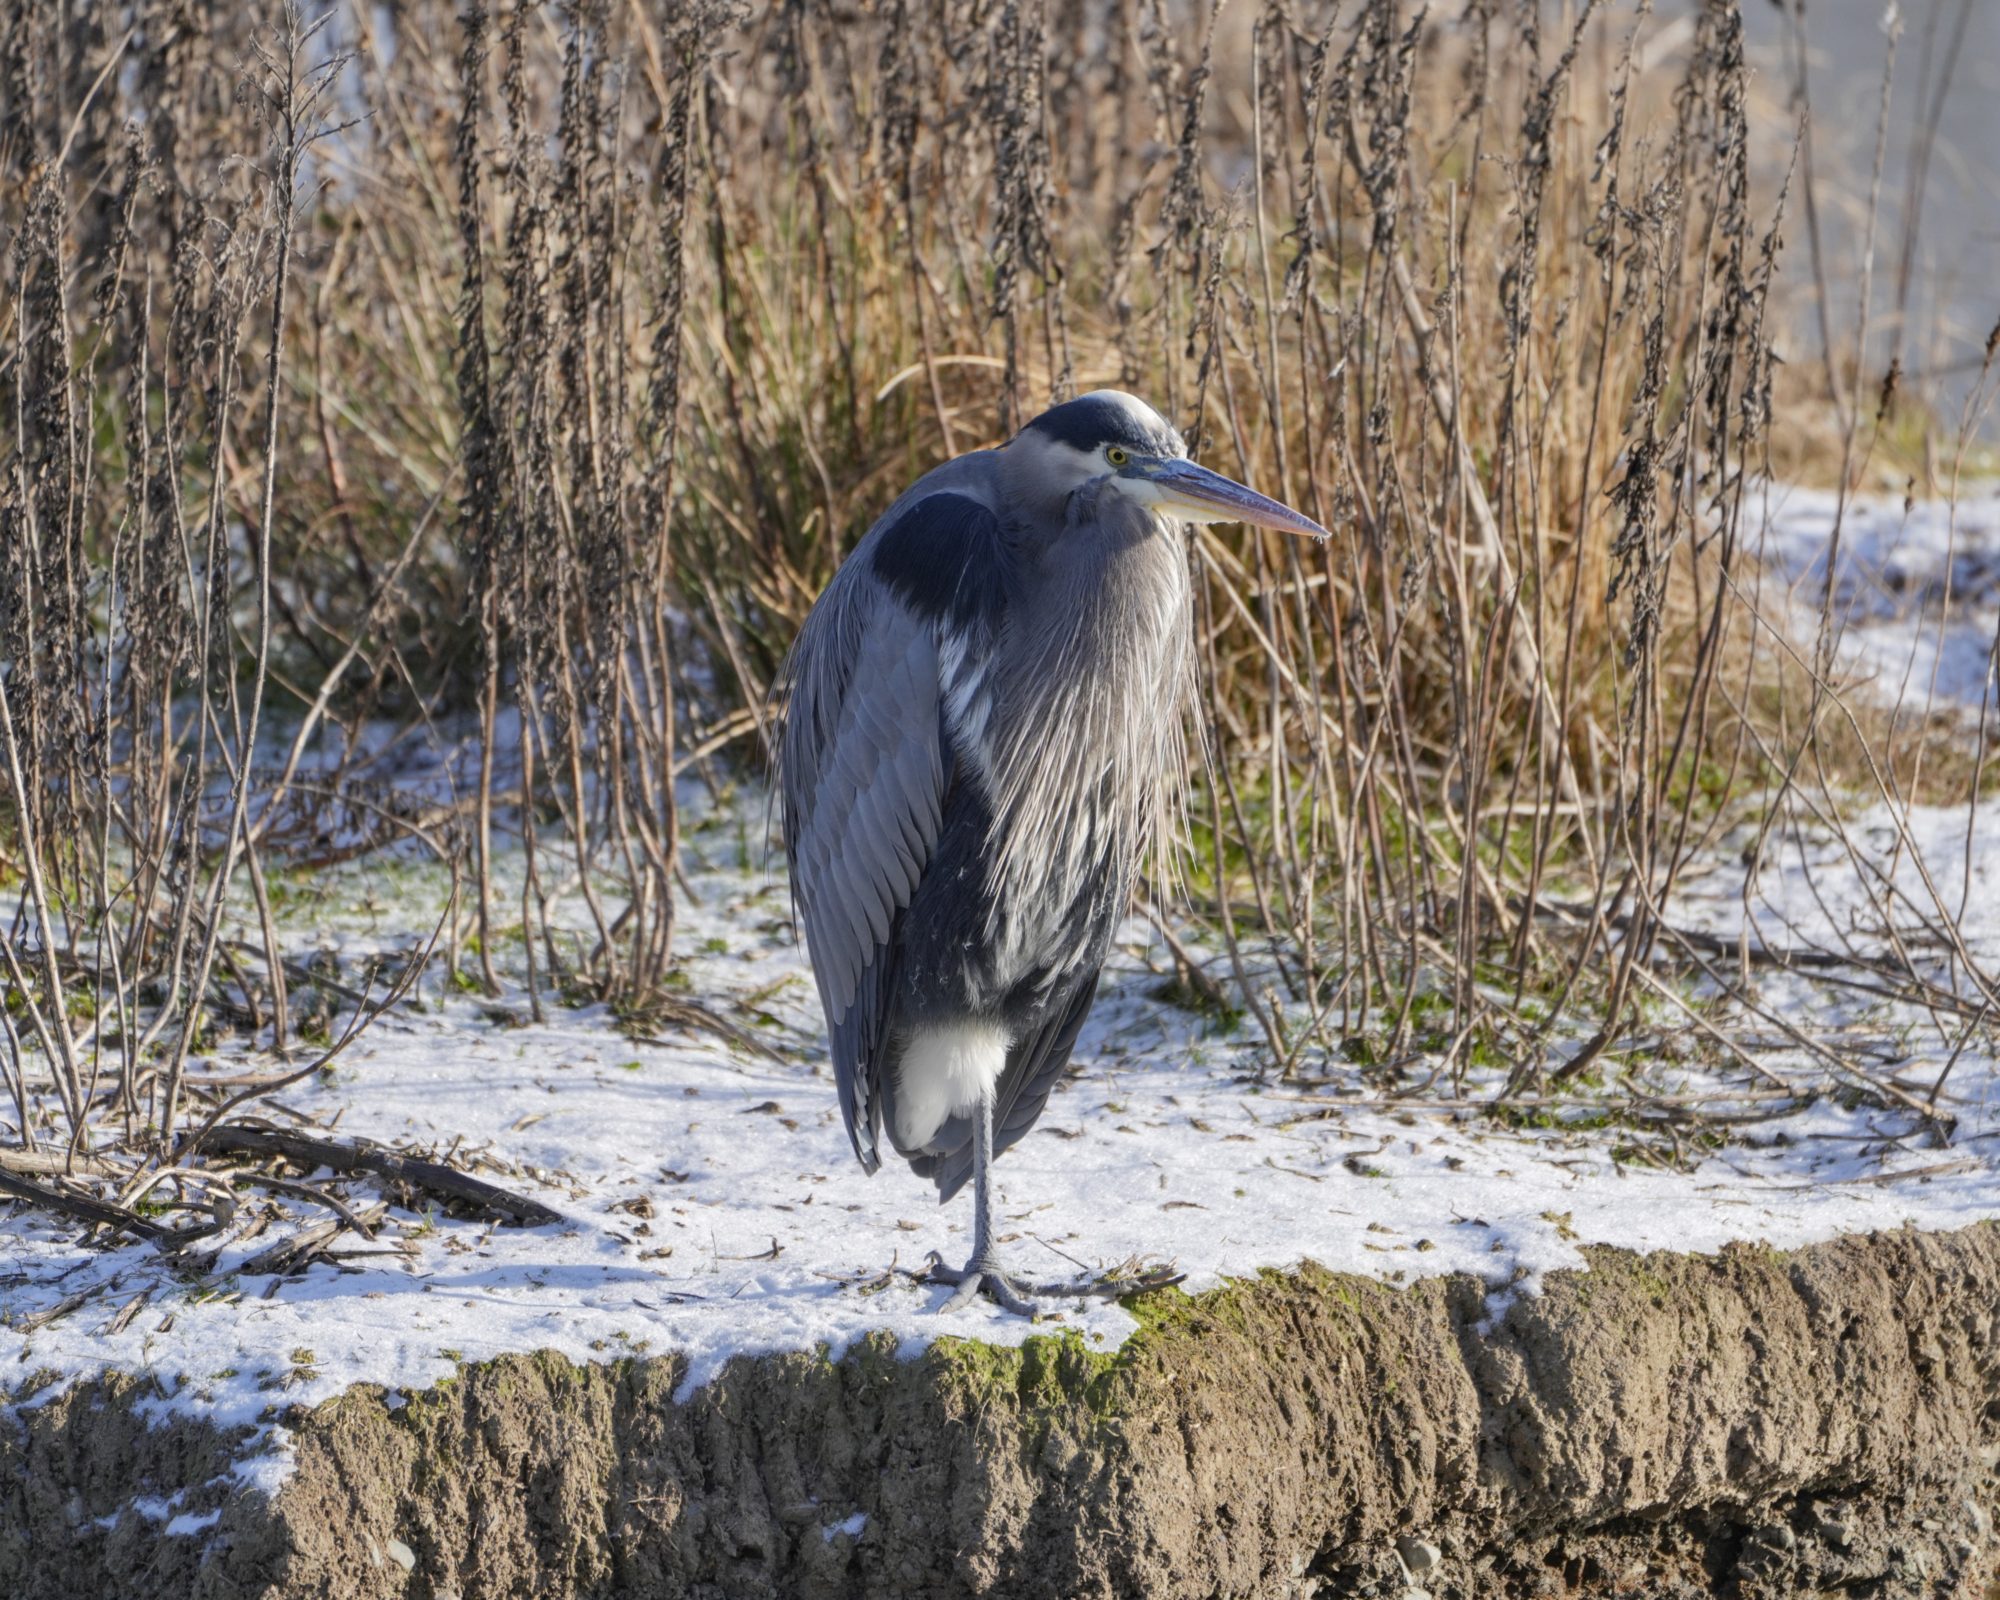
(308, 1192)
(96, 1212)
(692, 1015)
(61, 1309)
(1939, 1169)
(361, 1156)
(51, 1164)
(295, 1252)
(126, 1313)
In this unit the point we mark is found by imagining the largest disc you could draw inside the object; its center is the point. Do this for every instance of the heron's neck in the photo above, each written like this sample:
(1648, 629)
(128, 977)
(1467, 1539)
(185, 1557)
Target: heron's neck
(1087, 759)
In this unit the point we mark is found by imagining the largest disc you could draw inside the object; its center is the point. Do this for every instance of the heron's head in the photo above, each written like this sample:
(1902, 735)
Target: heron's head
(1119, 443)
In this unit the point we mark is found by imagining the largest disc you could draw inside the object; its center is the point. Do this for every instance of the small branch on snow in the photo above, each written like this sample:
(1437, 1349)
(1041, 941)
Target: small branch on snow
(51, 1164)
(359, 1156)
(294, 1253)
(96, 1212)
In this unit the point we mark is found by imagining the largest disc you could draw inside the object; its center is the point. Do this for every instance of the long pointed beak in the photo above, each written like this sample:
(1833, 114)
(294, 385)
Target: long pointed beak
(1182, 489)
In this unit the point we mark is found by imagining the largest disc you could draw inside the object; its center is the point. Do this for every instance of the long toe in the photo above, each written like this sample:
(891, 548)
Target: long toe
(1008, 1297)
(976, 1278)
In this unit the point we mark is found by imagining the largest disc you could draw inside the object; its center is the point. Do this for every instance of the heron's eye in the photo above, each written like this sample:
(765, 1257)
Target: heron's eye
(1116, 456)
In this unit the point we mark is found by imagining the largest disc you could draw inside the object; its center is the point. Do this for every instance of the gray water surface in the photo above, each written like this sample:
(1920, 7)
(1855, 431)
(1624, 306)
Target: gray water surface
(1951, 296)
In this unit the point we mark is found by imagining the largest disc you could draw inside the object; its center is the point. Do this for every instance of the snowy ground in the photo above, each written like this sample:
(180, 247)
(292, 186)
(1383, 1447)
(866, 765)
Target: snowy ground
(1916, 590)
(712, 1206)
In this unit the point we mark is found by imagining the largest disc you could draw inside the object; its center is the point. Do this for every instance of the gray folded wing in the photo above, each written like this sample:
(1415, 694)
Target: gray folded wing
(861, 771)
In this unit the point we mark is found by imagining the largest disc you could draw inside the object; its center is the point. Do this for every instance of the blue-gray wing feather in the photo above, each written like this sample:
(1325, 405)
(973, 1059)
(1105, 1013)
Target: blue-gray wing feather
(863, 766)
(862, 777)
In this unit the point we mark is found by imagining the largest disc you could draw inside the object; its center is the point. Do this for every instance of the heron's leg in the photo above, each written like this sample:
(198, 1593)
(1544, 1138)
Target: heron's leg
(982, 1273)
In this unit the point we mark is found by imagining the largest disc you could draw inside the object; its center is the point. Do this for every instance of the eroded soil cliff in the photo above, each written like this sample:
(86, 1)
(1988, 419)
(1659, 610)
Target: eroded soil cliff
(1755, 1423)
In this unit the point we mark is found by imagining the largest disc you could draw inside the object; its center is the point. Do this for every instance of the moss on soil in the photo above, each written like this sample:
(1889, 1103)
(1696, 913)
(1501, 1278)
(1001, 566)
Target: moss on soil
(1752, 1423)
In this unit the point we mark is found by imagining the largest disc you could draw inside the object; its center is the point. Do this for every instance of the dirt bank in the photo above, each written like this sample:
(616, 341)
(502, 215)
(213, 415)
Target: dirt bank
(1758, 1423)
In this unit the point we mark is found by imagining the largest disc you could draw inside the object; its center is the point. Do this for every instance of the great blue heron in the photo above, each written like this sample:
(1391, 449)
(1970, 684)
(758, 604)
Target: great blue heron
(982, 733)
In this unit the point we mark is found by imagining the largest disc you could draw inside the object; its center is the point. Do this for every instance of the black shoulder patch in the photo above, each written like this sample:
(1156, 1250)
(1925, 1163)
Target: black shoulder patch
(942, 557)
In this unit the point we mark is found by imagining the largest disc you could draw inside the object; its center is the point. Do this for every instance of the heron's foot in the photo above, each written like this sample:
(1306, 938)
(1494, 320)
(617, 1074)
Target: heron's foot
(980, 1275)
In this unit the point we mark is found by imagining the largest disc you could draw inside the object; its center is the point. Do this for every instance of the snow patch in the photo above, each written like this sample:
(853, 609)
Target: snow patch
(1916, 587)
